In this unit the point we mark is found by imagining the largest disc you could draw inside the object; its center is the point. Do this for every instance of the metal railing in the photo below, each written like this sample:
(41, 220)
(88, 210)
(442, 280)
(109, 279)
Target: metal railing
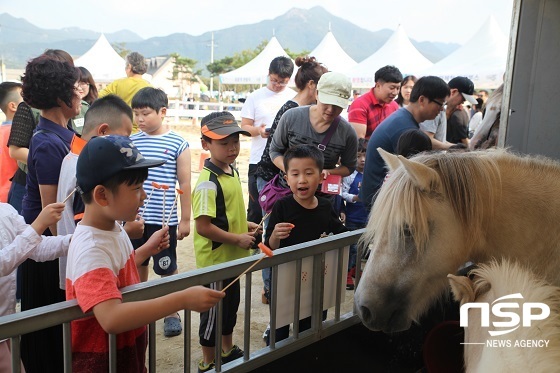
(198, 110)
(15, 325)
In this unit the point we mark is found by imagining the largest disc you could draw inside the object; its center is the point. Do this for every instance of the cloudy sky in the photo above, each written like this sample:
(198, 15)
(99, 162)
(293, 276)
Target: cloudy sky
(424, 20)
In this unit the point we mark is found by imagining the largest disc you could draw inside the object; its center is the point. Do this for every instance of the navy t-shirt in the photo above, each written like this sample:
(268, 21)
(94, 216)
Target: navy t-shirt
(385, 136)
(47, 149)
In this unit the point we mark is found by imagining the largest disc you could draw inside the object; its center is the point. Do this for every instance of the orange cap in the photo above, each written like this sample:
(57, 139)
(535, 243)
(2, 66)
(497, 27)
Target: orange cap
(156, 185)
(164, 186)
(179, 191)
(265, 249)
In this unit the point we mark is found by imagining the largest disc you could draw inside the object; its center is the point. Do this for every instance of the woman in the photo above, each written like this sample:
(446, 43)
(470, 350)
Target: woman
(310, 124)
(88, 89)
(403, 98)
(52, 87)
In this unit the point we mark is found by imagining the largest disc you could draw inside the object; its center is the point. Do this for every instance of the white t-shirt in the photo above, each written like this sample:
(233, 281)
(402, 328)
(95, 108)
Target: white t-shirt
(262, 106)
(67, 224)
(18, 242)
(438, 126)
(475, 121)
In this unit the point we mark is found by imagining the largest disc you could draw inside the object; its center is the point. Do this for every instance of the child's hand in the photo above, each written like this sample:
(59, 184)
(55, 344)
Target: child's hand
(201, 299)
(246, 240)
(254, 227)
(134, 229)
(159, 240)
(184, 229)
(50, 215)
(325, 174)
(282, 231)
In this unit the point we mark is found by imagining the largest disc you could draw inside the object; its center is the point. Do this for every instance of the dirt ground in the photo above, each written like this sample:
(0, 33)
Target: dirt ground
(170, 350)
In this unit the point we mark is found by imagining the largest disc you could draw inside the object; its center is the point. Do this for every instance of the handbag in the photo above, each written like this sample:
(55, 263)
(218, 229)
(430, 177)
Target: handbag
(272, 192)
(275, 190)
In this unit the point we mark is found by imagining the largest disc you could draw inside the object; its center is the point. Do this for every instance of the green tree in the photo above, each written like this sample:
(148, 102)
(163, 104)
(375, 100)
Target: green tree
(183, 72)
(121, 49)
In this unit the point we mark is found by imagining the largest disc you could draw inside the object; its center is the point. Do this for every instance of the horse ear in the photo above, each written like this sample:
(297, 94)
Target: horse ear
(462, 288)
(390, 159)
(423, 176)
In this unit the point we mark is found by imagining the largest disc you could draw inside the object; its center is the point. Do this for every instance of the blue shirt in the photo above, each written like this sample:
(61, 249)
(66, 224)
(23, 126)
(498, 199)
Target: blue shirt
(385, 136)
(46, 152)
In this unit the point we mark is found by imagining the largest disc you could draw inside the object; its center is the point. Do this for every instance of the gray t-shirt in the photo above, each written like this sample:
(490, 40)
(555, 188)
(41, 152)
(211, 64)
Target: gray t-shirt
(295, 128)
(438, 126)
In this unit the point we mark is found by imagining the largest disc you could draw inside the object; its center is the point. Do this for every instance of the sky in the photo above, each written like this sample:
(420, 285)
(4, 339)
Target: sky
(450, 21)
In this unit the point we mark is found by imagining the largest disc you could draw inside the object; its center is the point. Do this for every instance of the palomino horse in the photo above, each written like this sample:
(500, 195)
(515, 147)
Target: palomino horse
(491, 282)
(437, 211)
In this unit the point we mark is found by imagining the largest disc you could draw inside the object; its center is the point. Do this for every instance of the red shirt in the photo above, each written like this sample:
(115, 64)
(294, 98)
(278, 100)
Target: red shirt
(8, 166)
(367, 110)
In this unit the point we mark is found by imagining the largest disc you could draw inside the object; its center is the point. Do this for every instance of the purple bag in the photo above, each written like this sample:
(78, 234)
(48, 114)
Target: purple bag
(272, 192)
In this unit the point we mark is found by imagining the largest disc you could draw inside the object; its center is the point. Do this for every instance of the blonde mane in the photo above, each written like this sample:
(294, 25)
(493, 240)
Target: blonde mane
(496, 279)
(468, 181)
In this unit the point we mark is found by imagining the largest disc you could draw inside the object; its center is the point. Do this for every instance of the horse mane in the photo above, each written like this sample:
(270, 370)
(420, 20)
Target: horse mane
(496, 279)
(469, 181)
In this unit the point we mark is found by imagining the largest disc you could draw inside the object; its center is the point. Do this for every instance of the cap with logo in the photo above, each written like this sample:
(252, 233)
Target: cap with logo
(104, 157)
(465, 86)
(334, 89)
(220, 125)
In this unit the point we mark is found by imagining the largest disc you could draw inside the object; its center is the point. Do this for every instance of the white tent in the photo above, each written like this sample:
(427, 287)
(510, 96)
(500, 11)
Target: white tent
(331, 54)
(256, 70)
(482, 59)
(397, 51)
(102, 61)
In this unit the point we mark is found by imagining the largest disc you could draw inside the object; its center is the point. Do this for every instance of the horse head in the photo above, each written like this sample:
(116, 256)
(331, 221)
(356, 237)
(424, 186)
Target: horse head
(417, 236)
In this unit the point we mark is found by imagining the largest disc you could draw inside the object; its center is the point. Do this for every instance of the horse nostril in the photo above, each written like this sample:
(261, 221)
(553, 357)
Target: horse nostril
(366, 314)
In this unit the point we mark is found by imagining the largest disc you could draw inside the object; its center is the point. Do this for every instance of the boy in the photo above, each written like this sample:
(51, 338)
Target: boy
(110, 173)
(109, 115)
(18, 242)
(355, 210)
(222, 232)
(302, 216)
(10, 97)
(149, 106)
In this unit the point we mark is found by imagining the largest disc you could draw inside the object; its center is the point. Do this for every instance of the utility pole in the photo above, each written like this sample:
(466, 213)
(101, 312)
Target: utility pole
(212, 61)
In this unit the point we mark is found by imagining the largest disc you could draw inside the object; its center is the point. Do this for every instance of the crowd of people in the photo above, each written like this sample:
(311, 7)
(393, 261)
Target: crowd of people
(101, 168)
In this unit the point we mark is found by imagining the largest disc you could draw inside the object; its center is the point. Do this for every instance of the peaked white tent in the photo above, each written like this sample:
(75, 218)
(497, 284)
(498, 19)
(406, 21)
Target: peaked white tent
(397, 51)
(256, 70)
(331, 54)
(482, 59)
(102, 61)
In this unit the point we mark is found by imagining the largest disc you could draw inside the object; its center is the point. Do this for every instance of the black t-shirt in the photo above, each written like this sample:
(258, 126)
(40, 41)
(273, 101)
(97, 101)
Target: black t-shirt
(457, 126)
(309, 224)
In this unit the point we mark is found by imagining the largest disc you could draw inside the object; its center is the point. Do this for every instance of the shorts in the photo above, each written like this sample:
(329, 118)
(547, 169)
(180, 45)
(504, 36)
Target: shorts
(230, 305)
(165, 262)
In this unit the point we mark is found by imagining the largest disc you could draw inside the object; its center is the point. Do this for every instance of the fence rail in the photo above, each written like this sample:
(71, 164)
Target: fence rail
(196, 109)
(15, 325)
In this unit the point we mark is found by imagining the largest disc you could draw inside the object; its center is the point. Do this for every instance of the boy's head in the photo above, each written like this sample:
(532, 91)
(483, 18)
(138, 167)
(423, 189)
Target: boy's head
(303, 165)
(279, 73)
(106, 163)
(149, 106)
(220, 135)
(362, 148)
(10, 98)
(108, 115)
(412, 142)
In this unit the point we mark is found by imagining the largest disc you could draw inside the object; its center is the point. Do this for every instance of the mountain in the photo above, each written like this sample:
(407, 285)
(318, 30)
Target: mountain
(296, 30)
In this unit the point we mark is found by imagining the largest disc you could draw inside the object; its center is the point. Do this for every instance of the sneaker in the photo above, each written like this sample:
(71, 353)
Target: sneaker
(266, 333)
(205, 367)
(349, 282)
(233, 354)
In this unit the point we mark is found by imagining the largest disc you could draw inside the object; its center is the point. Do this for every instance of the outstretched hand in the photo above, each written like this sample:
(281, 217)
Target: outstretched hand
(200, 298)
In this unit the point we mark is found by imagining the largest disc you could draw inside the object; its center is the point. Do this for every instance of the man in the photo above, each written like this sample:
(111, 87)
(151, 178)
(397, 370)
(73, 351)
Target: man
(461, 89)
(426, 101)
(257, 115)
(371, 108)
